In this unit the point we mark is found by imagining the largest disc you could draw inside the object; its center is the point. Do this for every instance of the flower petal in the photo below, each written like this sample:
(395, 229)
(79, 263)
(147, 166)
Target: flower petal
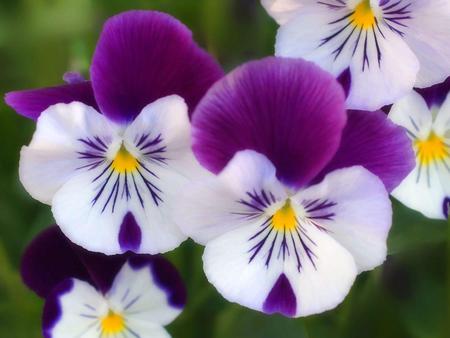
(427, 35)
(147, 289)
(209, 208)
(357, 214)
(320, 284)
(435, 95)
(31, 103)
(128, 206)
(73, 309)
(288, 110)
(372, 141)
(142, 56)
(53, 154)
(48, 260)
(51, 257)
(282, 10)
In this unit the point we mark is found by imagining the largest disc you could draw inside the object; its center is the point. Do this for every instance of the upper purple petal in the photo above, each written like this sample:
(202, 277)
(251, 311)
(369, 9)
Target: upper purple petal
(51, 257)
(435, 95)
(31, 103)
(371, 140)
(142, 56)
(165, 275)
(289, 110)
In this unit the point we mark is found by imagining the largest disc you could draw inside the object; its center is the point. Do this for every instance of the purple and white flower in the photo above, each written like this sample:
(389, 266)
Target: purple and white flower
(300, 205)
(92, 295)
(380, 49)
(109, 155)
(426, 117)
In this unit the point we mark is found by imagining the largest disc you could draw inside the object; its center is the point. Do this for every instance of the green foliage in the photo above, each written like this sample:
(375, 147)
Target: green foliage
(41, 39)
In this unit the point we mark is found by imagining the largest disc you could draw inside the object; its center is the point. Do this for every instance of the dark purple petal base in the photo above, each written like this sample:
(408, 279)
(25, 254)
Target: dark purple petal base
(130, 234)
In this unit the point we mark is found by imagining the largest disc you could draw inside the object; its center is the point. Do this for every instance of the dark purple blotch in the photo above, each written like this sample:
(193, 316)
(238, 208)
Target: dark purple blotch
(130, 234)
(435, 95)
(345, 79)
(281, 298)
(446, 207)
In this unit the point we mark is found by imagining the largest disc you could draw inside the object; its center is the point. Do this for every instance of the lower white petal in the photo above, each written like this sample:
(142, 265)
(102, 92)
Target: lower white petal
(353, 206)
(294, 279)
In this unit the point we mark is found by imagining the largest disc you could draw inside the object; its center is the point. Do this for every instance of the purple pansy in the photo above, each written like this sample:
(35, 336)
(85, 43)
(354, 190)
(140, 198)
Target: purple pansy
(110, 154)
(300, 203)
(94, 295)
(425, 116)
(381, 49)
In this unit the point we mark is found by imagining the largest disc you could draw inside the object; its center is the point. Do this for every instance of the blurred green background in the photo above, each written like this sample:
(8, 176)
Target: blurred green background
(41, 39)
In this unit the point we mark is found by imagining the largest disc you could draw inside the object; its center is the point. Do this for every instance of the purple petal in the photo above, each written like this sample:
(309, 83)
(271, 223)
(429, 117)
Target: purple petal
(435, 95)
(165, 276)
(142, 56)
(51, 257)
(281, 298)
(371, 140)
(52, 308)
(73, 77)
(31, 103)
(48, 260)
(130, 234)
(289, 110)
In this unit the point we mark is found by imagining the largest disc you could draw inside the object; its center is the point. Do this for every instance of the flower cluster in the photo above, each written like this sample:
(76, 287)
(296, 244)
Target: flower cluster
(270, 167)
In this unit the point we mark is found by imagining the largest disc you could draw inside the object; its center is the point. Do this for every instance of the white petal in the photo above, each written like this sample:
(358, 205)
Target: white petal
(303, 34)
(81, 311)
(424, 190)
(210, 207)
(354, 207)
(52, 158)
(136, 295)
(428, 35)
(321, 283)
(412, 113)
(282, 10)
(384, 83)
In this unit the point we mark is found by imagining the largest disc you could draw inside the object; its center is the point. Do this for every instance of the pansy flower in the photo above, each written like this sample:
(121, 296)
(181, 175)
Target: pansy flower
(298, 207)
(425, 115)
(92, 295)
(109, 155)
(379, 49)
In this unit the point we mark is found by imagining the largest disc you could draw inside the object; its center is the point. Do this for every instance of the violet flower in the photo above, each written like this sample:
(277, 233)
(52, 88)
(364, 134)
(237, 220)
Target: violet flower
(380, 49)
(299, 206)
(109, 155)
(425, 115)
(94, 295)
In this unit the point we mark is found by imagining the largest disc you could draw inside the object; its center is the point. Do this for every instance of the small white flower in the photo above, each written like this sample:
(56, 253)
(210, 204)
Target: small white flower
(427, 188)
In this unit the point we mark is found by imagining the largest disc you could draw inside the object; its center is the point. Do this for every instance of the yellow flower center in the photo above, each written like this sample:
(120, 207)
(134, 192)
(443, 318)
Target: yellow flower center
(285, 218)
(363, 16)
(124, 161)
(112, 324)
(431, 150)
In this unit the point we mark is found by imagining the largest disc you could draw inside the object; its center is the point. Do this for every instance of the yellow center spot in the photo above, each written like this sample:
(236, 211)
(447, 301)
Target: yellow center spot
(113, 323)
(431, 150)
(285, 218)
(124, 161)
(363, 16)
